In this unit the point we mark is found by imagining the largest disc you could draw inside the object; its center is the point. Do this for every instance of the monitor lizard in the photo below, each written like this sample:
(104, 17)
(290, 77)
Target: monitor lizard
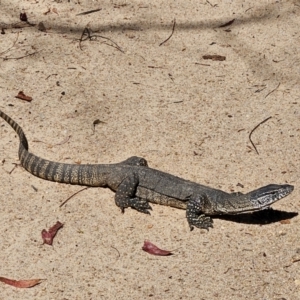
(135, 185)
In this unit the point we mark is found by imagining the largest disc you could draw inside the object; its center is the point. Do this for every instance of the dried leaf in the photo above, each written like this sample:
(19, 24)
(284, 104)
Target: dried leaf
(21, 283)
(214, 57)
(49, 235)
(96, 122)
(152, 249)
(23, 17)
(22, 96)
(41, 27)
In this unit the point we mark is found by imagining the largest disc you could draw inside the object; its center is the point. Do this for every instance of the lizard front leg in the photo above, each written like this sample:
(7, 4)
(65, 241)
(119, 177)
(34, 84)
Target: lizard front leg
(125, 195)
(195, 215)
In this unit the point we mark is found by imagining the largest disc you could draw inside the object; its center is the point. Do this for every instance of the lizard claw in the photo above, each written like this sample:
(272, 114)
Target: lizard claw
(140, 205)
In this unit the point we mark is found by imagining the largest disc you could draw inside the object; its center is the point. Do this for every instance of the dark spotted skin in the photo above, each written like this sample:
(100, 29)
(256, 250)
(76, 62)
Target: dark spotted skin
(135, 185)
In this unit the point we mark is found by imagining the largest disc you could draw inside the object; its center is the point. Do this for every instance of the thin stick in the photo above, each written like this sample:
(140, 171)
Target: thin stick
(73, 196)
(86, 31)
(273, 90)
(20, 57)
(63, 142)
(11, 46)
(170, 34)
(264, 121)
(21, 24)
(13, 168)
(116, 250)
(117, 47)
(88, 12)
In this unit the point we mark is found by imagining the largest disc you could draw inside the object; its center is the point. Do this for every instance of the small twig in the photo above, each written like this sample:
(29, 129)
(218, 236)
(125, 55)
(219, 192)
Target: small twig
(207, 65)
(86, 31)
(38, 141)
(73, 196)
(11, 46)
(116, 250)
(34, 188)
(63, 141)
(215, 5)
(273, 90)
(117, 47)
(264, 121)
(153, 67)
(88, 12)
(20, 57)
(12, 168)
(227, 23)
(16, 25)
(170, 34)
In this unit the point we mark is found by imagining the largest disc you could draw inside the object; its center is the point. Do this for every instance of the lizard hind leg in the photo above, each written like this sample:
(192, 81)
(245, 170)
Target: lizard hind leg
(125, 195)
(195, 215)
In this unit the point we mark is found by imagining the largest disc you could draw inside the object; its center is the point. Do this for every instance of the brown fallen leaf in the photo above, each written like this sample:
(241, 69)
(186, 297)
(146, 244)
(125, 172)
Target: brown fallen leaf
(22, 96)
(152, 249)
(23, 17)
(96, 122)
(21, 283)
(214, 57)
(41, 27)
(49, 235)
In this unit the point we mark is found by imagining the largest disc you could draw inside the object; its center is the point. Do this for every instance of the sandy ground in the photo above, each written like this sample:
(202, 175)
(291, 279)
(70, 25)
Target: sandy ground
(186, 115)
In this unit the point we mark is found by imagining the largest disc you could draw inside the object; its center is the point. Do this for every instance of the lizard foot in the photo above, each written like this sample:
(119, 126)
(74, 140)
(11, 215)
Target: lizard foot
(195, 216)
(201, 221)
(140, 205)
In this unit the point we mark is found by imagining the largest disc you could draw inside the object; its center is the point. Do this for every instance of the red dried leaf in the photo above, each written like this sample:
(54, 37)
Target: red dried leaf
(49, 235)
(152, 249)
(21, 283)
(22, 96)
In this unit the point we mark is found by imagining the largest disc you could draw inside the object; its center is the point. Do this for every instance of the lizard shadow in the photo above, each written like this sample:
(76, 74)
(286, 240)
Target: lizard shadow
(262, 217)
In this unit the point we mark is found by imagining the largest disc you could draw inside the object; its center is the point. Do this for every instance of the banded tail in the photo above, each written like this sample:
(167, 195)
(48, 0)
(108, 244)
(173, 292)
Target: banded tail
(59, 172)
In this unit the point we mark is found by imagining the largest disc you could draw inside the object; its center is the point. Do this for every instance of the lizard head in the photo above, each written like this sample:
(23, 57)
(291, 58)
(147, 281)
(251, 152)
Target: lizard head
(269, 194)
